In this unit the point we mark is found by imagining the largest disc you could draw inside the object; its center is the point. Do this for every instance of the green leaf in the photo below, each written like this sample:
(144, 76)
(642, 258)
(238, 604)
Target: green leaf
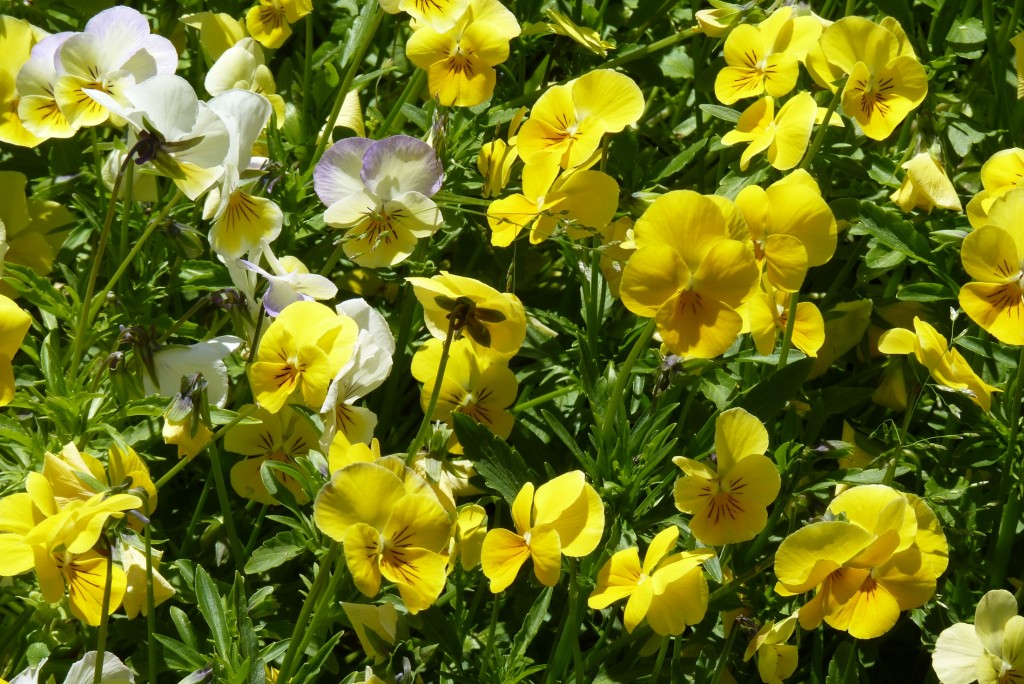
(277, 550)
(531, 625)
(924, 292)
(677, 64)
(181, 657)
(588, 463)
(893, 231)
(679, 162)
(720, 112)
(768, 397)
(502, 468)
(184, 627)
(843, 669)
(212, 608)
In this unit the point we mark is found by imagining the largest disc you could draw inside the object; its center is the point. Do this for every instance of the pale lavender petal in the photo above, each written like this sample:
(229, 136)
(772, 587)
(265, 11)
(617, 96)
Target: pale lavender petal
(254, 268)
(337, 173)
(400, 164)
(280, 295)
(48, 47)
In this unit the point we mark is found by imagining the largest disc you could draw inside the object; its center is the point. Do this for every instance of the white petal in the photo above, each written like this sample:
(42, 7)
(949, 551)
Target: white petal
(956, 655)
(113, 670)
(237, 65)
(994, 610)
(170, 105)
(245, 114)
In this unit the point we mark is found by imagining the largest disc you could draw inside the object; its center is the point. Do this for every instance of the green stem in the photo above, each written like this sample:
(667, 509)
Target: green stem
(724, 659)
(335, 256)
(543, 399)
(574, 627)
(820, 135)
(489, 646)
(369, 21)
(322, 610)
(995, 61)
(413, 87)
(662, 650)
(136, 248)
(901, 436)
(225, 504)
(307, 74)
(738, 582)
(312, 597)
(625, 373)
(651, 48)
(1009, 486)
(97, 259)
(787, 338)
(188, 316)
(180, 465)
(428, 417)
(101, 639)
(126, 214)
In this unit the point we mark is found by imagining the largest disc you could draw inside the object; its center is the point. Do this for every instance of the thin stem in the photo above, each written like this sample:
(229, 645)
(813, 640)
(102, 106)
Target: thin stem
(428, 417)
(126, 214)
(177, 467)
(901, 436)
(787, 338)
(307, 73)
(820, 135)
(1009, 486)
(369, 20)
(724, 659)
(94, 271)
(625, 373)
(642, 52)
(101, 639)
(136, 248)
(199, 304)
(489, 646)
(321, 610)
(574, 627)
(339, 249)
(413, 87)
(543, 399)
(285, 672)
(225, 503)
(662, 650)
(995, 61)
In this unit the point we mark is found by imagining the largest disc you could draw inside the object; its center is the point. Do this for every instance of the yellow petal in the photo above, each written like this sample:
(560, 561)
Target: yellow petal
(806, 557)
(616, 579)
(680, 598)
(738, 434)
(699, 327)
(612, 98)
(245, 222)
(572, 508)
(359, 493)
(268, 24)
(363, 547)
(419, 574)
(652, 277)
(897, 341)
(502, 555)
(793, 126)
(998, 309)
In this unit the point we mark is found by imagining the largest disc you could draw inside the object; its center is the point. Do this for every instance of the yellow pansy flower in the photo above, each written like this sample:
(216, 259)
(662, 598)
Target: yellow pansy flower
(19, 37)
(785, 135)
(133, 562)
(883, 557)
(479, 386)
(991, 651)
(791, 226)
(439, 15)
(729, 505)
(217, 31)
(993, 255)
(690, 272)
(382, 620)
(492, 320)
(885, 81)
(765, 58)
(470, 532)
(946, 365)
(562, 517)
(669, 590)
(301, 352)
(14, 325)
(282, 437)
(460, 59)
(776, 660)
(926, 186)
(767, 315)
(388, 531)
(31, 227)
(568, 121)
(124, 468)
(85, 576)
(1002, 172)
(586, 200)
(270, 21)
(495, 165)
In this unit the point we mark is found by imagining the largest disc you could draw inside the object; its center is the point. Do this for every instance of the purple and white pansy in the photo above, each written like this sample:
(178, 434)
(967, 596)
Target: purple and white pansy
(379, 191)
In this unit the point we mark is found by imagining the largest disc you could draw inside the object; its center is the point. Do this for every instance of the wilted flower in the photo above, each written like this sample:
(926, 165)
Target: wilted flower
(926, 186)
